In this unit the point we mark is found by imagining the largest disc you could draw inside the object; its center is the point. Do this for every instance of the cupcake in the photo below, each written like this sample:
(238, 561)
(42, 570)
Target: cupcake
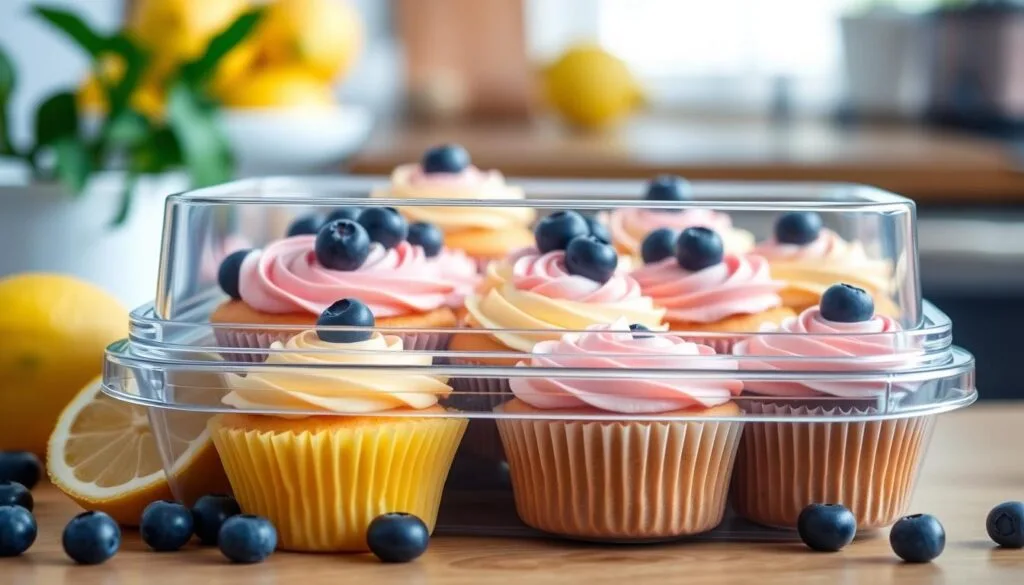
(347, 445)
(454, 266)
(630, 225)
(704, 289)
(291, 281)
(446, 172)
(659, 468)
(809, 258)
(870, 465)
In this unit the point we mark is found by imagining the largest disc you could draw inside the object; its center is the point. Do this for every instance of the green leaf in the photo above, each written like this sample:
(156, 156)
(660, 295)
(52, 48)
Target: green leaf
(201, 70)
(8, 80)
(202, 146)
(135, 59)
(128, 130)
(73, 164)
(124, 207)
(56, 118)
(74, 27)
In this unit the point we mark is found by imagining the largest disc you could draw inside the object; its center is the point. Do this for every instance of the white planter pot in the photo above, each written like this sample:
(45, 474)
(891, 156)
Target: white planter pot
(885, 63)
(44, 229)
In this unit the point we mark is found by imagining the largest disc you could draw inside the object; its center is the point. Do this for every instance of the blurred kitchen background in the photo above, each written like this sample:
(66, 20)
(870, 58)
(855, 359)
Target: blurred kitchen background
(921, 97)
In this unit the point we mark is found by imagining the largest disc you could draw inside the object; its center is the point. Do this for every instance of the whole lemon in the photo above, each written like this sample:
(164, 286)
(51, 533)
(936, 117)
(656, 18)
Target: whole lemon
(591, 88)
(321, 35)
(53, 331)
(281, 86)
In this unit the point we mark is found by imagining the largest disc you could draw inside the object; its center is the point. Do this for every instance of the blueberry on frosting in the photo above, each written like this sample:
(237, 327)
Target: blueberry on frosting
(797, 227)
(447, 158)
(845, 303)
(428, 237)
(591, 258)
(698, 248)
(229, 272)
(345, 313)
(658, 245)
(342, 245)
(555, 231)
(384, 225)
(351, 213)
(639, 331)
(598, 229)
(305, 225)
(668, 188)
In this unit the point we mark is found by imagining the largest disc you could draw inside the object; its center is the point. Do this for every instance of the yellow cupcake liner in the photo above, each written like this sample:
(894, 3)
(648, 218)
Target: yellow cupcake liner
(321, 481)
(620, 481)
(868, 466)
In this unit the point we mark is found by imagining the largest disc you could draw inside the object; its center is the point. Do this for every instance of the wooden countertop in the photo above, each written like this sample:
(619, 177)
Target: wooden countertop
(974, 463)
(929, 165)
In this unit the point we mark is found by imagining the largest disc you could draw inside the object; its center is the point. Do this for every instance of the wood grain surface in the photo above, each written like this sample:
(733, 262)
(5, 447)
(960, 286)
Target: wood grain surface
(975, 462)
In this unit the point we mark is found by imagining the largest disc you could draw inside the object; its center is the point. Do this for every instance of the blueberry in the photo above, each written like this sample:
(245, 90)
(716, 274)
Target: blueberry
(658, 245)
(1005, 524)
(20, 466)
(350, 213)
(13, 493)
(427, 236)
(826, 527)
(447, 158)
(397, 537)
(342, 245)
(598, 229)
(345, 313)
(166, 526)
(18, 530)
(918, 538)
(91, 538)
(589, 257)
(797, 227)
(844, 303)
(229, 272)
(555, 231)
(384, 225)
(668, 188)
(247, 539)
(698, 248)
(209, 513)
(305, 225)
(638, 327)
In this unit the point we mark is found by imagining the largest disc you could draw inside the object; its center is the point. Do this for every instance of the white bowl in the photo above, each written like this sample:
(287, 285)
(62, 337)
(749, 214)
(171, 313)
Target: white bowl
(277, 141)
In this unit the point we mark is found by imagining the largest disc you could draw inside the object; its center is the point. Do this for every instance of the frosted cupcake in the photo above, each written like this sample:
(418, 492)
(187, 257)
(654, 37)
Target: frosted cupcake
(627, 478)
(446, 172)
(703, 289)
(322, 479)
(809, 258)
(868, 466)
(629, 226)
(291, 281)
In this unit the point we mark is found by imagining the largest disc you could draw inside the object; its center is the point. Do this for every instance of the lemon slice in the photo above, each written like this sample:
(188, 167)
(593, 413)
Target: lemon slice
(104, 454)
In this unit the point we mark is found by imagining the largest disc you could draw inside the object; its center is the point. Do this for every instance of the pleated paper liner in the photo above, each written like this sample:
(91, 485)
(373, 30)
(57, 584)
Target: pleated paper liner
(321, 480)
(868, 466)
(620, 481)
(263, 339)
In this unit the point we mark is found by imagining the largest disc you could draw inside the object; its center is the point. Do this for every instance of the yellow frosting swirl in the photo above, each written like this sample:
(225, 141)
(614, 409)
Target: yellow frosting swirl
(408, 182)
(352, 391)
(830, 259)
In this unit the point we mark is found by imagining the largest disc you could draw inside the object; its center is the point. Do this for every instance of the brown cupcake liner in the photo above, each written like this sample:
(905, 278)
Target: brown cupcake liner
(868, 466)
(480, 395)
(620, 481)
(256, 339)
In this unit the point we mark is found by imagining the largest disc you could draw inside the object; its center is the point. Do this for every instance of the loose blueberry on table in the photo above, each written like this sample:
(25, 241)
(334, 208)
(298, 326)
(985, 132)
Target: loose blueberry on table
(209, 513)
(384, 225)
(591, 258)
(1005, 524)
(555, 231)
(826, 527)
(305, 225)
(229, 272)
(598, 229)
(345, 313)
(668, 188)
(845, 303)
(698, 248)
(640, 331)
(342, 245)
(91, 538)
(397, 537)
(247, 539)
(918, 538)
(18, 530)
(13, 493)
(166, 526)
(426, 236)
(350, 213)
(658, 245)
(797, 227)
(446, 158)
(20, 466)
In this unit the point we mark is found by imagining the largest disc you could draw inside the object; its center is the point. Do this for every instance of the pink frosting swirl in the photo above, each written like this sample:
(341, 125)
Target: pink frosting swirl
(286, 278)
(470, 176)
(829, 346)
(460, 271)
(629, 226)
(547, 275)
(738, 285)
(613, 347)
(826, 244)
